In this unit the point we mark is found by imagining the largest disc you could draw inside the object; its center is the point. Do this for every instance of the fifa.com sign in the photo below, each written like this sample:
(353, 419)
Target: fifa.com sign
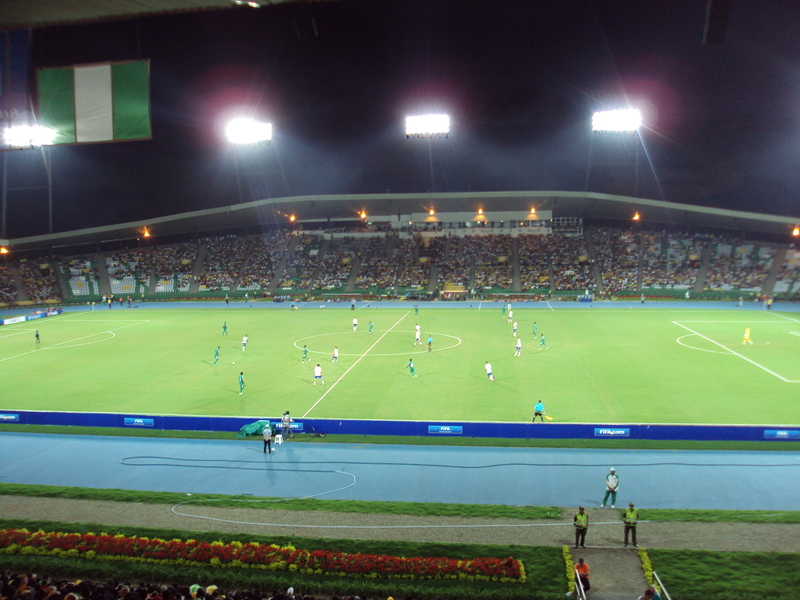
(612, 432)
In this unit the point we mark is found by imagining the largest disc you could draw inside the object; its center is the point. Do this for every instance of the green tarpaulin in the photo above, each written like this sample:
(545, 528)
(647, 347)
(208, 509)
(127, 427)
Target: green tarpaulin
(253, 429)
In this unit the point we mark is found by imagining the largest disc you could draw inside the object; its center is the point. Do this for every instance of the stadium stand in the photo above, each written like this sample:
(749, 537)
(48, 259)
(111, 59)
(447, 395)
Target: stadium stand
(8, 289)
(301, 266)
(262, 262)
(377, 272)
(82, 279)
(787, 281)
(222, 264)
(420, 264)
(129, 272)
(453, 266)
(39, 279)
(670, 262)
(617, 254)
(414, 271)
(572, 270)
(336, 264)
(534, 263)
(173, 269)
(492, 256)
(737, 266)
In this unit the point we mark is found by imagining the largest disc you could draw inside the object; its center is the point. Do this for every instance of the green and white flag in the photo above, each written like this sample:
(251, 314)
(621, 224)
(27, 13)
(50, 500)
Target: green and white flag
(96, 103)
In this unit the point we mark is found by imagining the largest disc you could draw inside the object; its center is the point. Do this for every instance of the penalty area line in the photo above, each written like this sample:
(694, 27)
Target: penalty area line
(330, 389)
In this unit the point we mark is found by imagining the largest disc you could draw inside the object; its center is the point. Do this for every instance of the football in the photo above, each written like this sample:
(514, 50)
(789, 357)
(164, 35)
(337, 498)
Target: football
(233, 363)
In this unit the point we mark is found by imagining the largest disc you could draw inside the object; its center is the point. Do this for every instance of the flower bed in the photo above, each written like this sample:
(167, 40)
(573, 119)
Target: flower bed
(257, 556)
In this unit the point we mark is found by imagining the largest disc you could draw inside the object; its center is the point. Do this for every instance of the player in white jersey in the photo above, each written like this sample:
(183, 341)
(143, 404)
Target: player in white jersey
(318, 374)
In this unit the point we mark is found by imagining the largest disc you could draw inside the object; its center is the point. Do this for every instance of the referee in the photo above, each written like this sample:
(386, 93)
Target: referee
(538, 411)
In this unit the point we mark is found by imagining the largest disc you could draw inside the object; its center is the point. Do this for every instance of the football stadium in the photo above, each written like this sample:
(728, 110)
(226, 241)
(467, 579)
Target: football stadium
(308, 300)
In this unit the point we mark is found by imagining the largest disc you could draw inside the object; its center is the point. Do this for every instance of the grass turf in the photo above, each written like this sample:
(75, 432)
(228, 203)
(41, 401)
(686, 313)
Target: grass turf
(601, 365)
(727, 575)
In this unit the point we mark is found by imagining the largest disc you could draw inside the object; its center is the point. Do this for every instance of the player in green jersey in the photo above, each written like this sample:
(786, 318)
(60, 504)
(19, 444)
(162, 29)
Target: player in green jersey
(410, 366)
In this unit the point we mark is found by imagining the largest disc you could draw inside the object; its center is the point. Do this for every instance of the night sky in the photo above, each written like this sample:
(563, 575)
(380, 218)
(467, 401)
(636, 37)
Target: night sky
(520, 80)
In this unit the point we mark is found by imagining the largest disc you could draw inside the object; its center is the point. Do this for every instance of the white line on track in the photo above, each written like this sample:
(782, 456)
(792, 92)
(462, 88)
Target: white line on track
(752, 362)
(328, 391)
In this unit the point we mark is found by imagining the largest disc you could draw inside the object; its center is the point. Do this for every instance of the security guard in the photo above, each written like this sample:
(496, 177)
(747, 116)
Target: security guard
(581, 522)
(630, 518)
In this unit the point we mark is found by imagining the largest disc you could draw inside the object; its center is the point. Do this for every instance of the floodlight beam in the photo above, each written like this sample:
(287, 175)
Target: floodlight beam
(245, 132)
(626, 120)
(428, 125)
(24, 136)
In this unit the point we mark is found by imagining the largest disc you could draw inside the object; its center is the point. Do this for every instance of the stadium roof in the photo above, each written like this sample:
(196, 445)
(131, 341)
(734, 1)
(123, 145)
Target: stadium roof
(44, 13)
(310, 210)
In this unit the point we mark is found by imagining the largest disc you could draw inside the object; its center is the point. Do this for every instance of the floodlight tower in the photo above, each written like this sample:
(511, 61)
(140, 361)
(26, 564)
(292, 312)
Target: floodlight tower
(246, 132)
(616, 122)
(428, 127)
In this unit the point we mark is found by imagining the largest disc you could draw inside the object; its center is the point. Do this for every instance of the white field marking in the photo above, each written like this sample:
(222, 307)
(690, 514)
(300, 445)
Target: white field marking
(59, 345)
(787, 318)
(17, 332)
(425, 351)
(24, 325)
(752, 362)
(354, 364)
(694, 347)
(797, 333)
(745, 322)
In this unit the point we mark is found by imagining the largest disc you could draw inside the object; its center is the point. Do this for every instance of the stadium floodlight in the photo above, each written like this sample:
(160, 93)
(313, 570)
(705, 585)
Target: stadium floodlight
(617, 121)
(248, 132)
(24, 136)
(422, 126)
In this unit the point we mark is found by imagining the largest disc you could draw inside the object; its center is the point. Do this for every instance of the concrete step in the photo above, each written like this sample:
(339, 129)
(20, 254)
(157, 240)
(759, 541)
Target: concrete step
(610, 596)
(615, 573)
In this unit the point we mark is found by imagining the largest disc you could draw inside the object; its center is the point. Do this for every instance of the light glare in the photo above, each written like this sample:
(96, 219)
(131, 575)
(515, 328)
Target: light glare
(248, 131)
(23, 136)
(428, 125)
(617, 120)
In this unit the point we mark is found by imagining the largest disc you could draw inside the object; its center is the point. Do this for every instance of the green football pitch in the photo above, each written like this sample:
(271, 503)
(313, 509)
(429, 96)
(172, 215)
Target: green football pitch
(617, 365)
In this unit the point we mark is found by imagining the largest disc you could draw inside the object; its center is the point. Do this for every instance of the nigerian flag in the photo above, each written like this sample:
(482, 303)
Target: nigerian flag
(96, 103)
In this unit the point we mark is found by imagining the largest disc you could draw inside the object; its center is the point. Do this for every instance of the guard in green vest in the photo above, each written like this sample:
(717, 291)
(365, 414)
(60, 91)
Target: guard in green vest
(581, 522)
(630, 518)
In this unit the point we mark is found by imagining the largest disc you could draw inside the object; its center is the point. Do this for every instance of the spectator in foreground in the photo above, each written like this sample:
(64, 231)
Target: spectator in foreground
(583, 571)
